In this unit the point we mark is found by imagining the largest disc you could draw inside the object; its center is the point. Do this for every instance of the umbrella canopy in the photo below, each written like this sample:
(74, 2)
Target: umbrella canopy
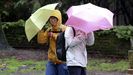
(89, 17)
(38, 19)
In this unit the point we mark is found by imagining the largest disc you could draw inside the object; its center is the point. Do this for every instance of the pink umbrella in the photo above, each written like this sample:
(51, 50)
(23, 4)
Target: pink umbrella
(89, 17)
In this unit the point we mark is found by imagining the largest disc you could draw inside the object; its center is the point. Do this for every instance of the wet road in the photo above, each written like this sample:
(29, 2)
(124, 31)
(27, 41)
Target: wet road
(88, 73)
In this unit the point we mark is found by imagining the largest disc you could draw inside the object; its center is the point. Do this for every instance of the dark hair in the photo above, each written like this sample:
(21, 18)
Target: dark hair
(53, 17)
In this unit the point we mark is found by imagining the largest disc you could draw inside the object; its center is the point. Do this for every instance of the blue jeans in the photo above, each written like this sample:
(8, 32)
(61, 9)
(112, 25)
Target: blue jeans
(56, 69)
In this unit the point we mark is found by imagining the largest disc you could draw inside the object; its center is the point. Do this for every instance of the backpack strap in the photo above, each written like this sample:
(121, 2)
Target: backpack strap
(74, 33)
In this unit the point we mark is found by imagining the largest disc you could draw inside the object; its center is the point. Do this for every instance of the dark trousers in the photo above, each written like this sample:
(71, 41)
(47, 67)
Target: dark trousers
(76, 70)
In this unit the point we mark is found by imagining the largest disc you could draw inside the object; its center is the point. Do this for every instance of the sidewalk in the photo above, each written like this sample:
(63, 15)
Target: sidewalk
(106, 73)
(89, 73)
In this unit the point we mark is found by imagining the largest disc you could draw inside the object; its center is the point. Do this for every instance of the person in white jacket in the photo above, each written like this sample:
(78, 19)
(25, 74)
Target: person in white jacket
(76, 53)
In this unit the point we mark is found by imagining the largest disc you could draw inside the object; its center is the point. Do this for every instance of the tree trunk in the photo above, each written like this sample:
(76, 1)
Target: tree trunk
(130, 58)
(3, 42)
(131, 41)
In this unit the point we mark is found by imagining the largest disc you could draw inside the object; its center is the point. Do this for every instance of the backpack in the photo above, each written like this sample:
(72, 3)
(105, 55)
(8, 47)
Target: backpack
(60, 46)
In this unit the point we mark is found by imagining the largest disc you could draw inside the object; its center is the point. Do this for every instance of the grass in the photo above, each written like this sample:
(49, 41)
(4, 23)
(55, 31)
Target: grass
(14, 65)
(94, 64)
(107, 65)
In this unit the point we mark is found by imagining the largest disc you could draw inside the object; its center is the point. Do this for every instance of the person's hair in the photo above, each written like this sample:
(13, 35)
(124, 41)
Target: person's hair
(54, 17)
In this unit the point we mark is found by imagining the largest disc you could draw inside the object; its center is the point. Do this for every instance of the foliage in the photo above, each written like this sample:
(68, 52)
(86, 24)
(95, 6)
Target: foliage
(111, 43)
(14, 29)
(125, 32)
(121, 32)
(7, 25)
(36, 5)
(105, 32)
(12, 10)
(20, 3)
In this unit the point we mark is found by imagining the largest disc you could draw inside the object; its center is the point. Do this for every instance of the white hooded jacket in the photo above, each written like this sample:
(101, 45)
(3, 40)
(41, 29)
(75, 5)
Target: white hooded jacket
(76, 53)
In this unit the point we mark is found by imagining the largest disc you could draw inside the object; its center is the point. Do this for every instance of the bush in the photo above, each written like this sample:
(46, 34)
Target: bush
(113, 42)
(108, 42)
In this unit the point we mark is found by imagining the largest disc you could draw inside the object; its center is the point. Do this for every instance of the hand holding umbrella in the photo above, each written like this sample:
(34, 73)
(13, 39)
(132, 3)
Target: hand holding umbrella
(38, 19)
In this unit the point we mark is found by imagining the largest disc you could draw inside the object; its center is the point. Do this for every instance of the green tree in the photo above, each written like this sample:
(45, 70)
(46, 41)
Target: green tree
(3, 42)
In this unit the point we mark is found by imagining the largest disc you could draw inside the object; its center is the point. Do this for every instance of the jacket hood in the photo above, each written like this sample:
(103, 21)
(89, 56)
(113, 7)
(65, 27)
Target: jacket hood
(57, 14)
